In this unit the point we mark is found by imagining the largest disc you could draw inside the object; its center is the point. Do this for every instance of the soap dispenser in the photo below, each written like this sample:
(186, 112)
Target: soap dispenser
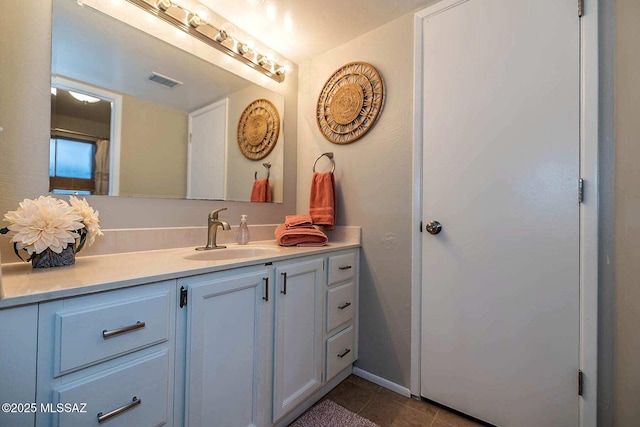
(243, 231)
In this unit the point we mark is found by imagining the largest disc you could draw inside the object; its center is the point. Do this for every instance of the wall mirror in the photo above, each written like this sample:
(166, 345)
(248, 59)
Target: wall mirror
(169, 118)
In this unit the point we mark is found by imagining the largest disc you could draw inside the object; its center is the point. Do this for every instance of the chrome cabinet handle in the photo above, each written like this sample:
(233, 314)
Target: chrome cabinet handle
(266, 288)
(345, 305)
(104, 417)
(346, 351)
(115, 332)
(344, 267)
(284, 283)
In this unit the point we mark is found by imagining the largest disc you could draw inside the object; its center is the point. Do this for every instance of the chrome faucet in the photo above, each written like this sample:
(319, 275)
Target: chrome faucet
(212, 230)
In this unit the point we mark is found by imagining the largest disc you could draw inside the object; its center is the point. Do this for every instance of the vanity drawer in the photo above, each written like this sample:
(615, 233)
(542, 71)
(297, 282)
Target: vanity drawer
(341, 267)
(131, 394)
(96, 333)
(340, 352)
(340, 305)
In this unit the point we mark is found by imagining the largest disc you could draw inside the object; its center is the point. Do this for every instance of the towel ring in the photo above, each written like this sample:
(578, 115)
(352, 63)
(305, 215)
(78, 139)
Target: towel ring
(266, 165)
(330, 156)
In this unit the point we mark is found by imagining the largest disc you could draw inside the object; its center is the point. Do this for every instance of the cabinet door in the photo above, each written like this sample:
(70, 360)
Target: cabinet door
(18, 341)
(298, 334)
(226, 337)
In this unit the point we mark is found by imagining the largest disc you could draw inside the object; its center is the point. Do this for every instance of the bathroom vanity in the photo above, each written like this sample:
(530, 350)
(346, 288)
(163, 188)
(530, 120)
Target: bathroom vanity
(168, 337)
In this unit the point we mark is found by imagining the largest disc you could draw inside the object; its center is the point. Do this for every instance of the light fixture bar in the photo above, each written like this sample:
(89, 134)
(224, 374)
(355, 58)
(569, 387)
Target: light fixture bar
(183, 19)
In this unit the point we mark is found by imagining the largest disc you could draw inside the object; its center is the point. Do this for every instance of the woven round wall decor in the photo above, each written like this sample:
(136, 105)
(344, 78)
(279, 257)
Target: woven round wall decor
(350, 102)
(258, 129)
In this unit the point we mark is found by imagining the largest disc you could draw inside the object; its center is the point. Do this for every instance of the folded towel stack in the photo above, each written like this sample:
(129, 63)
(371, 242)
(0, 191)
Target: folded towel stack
(261, 191)
(293, 221)
(298, 231)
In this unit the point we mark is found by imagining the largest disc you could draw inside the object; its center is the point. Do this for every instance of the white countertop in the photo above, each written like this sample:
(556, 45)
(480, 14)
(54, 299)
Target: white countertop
(22, 284)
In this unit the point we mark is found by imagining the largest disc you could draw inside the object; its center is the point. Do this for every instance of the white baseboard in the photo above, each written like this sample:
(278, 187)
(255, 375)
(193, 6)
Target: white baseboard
(382, 382)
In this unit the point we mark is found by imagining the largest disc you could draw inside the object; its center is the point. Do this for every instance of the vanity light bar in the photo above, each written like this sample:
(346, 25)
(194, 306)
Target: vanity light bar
(191, 23)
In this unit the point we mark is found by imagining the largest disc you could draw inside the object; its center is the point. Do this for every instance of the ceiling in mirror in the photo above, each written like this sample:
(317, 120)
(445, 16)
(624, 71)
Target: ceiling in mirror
(99, 52)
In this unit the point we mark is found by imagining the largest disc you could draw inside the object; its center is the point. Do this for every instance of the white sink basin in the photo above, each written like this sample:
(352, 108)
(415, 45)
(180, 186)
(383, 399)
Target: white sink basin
(232, 252)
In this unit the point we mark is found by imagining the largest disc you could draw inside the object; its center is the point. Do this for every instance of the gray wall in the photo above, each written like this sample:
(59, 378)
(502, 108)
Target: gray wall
(627, 214)
(606, 254)
(373, 176)
(24, 114)
(153, 150)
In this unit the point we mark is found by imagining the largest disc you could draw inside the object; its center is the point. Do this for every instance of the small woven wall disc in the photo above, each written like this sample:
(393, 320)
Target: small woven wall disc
(258, 129)
(350, 102)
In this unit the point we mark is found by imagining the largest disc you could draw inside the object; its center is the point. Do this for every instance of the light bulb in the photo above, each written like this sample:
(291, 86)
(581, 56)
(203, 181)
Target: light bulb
(163, 4)
(242, 48)
(202, 12)
(221, 36)
(194, 20)
(230, 29)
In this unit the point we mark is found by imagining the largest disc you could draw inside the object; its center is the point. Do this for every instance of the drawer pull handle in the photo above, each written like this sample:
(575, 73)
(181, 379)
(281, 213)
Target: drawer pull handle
(343, 354)
(345, 305)
(104, 417)
(115, 332)
(344, 267)
(284, 283)
(266, 288)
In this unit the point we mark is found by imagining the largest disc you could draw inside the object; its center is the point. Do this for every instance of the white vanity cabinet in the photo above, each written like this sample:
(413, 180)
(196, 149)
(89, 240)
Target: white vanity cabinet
(228, 335)
(254, 341)
(108, 358)
(298, 332)
(342, 312)
(18, 349)
(250, 346)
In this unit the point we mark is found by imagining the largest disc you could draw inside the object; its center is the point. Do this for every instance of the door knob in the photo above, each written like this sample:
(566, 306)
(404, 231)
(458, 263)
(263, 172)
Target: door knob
(434, 227)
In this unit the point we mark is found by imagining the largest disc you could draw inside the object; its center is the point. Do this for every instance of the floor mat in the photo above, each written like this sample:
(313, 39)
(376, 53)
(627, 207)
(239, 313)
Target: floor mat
(330, 414)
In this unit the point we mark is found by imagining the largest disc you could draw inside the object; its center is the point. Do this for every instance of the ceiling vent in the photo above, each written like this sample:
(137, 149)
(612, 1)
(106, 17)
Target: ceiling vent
(164, 80)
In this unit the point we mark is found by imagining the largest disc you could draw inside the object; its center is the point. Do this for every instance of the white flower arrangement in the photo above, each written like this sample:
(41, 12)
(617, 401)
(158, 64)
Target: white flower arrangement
(50, 223)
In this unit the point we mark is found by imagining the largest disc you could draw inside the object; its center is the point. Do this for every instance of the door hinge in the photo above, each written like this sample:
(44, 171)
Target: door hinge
(190, 137)
(580, 382)
(580, 8)
(580, 190)
(183, 296)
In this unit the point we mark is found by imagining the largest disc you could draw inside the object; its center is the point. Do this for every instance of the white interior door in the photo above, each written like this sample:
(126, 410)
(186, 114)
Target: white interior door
(206, 169)
(500, 304)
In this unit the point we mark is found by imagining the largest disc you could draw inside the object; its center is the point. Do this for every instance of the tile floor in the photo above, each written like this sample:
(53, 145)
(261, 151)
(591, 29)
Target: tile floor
(389, 409)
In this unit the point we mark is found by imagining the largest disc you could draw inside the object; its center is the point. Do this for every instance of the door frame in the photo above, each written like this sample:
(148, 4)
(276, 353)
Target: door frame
(115, 125)
(589, 127)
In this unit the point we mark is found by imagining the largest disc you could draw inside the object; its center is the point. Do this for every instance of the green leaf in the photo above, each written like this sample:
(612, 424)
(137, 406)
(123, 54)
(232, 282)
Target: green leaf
(15, 249)
(4, 230)
(83, 239)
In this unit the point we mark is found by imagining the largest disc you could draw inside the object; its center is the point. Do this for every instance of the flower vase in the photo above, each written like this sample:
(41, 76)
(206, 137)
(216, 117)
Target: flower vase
(49, 258)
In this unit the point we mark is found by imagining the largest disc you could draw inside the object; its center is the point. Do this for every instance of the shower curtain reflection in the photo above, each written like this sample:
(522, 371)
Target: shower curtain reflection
(102, 167)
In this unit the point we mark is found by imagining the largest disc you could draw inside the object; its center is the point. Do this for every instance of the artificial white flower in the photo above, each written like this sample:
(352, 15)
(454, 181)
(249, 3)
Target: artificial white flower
(44, 223)
(89, 218)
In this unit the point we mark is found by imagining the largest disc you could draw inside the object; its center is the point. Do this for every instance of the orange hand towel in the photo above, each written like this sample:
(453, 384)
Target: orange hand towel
(300, 236)
(322, 202)
(297, 221)
(261, 191)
